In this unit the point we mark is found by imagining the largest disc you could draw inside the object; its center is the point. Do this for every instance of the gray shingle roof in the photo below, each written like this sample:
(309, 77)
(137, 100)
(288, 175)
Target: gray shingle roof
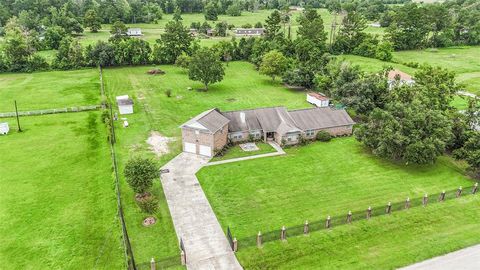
(245, 120)
(318, 118)
(211, 120)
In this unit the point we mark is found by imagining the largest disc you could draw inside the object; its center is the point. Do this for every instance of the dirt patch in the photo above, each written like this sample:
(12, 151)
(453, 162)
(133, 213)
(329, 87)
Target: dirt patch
(142, 197)
(149, 221)
(158, 143)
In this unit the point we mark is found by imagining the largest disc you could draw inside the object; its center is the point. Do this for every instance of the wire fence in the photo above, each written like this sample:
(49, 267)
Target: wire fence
(164, 263)
(348, 217)
(52, 111)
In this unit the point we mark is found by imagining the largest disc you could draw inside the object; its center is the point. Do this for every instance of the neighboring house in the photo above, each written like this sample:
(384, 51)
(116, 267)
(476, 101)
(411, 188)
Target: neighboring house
(4, 128)
(402, 77)
(134, 32)
(209, 132)
(375, 24)
(296, 8)
(125, 104)
(249, 32)
(318, 99)
(193, 32)
(211, 32)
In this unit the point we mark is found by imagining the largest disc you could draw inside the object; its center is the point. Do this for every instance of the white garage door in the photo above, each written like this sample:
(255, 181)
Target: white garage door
(205, 150)
(190, 147)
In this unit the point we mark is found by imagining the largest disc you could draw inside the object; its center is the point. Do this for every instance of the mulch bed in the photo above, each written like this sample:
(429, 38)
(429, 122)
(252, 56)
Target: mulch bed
(149, 221)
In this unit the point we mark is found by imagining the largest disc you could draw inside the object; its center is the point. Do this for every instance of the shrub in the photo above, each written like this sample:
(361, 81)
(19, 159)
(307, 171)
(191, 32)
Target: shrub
(168, 93)
(139, 173)
(302, 140)
(148, 204)
(323, 136)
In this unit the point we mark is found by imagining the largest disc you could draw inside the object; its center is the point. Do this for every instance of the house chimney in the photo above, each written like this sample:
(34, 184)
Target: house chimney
(242, 117)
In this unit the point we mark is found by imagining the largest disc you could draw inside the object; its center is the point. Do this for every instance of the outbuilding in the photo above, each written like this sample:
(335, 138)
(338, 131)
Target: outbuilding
(318, 99)
(4, 128)
(134, 32)
(125, 104)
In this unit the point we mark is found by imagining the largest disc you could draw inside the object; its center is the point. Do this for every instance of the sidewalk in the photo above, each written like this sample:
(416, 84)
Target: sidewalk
(465, 259)
(273, 144)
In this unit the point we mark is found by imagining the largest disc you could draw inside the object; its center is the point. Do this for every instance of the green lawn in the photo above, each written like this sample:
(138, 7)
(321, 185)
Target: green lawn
(58, 207)
(49, 90)
(332, 178)
(237, 152)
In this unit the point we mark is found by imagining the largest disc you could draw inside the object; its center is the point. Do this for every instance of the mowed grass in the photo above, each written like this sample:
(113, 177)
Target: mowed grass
(58, 207)
(49, 90)
(237, 152)
(322, 179)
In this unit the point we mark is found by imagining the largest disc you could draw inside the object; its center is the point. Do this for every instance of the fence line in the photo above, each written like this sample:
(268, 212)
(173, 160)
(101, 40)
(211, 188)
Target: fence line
(52, 111)
(130, 259)
(349, 217)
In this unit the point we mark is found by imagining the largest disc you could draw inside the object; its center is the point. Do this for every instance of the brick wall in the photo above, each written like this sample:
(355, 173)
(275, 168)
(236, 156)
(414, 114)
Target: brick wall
(220, 138)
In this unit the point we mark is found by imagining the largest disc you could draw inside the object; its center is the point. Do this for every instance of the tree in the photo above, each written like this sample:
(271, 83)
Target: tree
(311, 28)
(118, 31)
(16, 48)
(211, 12)
(69, 55)
(384, 51)
(101, 54)
(274, 63)
(409, 28)
(53, 36)
(183, 61)
(140, 173)
(221, 29)
(234, 10)
(472, 153)
(205, 67)
(272, 25)
(132, 51)
(351, 33)
(177, 15)
(175, 41)
(92, 21)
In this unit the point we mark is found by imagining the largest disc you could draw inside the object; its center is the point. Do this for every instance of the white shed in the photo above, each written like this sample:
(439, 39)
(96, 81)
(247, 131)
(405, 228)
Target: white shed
(125, 104)
(4, 128)
(318, 99)
(134, 32)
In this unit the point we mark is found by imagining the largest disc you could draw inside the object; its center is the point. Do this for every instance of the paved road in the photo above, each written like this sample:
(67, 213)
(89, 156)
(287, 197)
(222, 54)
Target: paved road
(464, 259)
(193, 218)
(273, 144)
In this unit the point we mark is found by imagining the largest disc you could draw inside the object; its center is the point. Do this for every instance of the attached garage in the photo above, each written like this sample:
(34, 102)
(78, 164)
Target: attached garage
(205, 150)
(190, 147)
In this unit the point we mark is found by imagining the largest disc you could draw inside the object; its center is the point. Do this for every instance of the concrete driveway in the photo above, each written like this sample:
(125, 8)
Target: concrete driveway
(464, 259)
(205, 243)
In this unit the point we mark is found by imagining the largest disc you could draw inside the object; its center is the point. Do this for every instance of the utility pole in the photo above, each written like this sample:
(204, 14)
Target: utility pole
(18, 120)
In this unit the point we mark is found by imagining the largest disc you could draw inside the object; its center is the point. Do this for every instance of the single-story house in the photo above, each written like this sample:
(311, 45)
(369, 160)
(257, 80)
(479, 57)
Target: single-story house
(249, 32)
(125, 104)
(318, 99)
(211, 32)
(400, 76)
(209, 132)
(4, 128)
(134, 32)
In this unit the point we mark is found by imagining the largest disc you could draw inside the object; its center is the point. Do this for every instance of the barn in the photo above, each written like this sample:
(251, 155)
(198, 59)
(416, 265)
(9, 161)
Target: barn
(125, 104)
(205, 133)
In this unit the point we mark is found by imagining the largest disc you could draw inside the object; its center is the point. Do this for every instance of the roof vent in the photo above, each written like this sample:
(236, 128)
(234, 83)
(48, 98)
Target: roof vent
(242, 117)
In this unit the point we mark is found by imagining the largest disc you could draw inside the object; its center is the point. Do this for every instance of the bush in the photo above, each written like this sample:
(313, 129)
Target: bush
(139, 173)
(323, 136)
(168, 93)
(148, 204)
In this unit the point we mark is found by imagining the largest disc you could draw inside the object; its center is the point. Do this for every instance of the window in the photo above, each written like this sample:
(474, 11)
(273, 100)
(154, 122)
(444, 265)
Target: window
(197, 132)
(309, 133)
(255, 134)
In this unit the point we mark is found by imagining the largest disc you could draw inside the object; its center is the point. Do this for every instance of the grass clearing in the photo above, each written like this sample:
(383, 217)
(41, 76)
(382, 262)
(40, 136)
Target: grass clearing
(332, 178)
(58, 210)
(49, 90)
(237, 152)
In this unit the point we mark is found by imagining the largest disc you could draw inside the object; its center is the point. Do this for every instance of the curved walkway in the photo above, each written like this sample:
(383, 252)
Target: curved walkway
(206, 246)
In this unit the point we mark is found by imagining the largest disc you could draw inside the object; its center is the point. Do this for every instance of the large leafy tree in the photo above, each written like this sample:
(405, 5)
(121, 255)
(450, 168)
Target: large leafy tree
(409, 28)
(140, 174)
(312, 28)
(351, 33)
(211, 12)
(92, 21)
(205, 67)
(272, 25)
(175, 41)
(69, 55)
(274, 63)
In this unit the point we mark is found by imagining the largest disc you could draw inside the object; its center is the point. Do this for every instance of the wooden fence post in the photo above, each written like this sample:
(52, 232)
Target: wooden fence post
(349, 217)
(369, 212)
(407, 203)
(459, 192)
(475, 188)
(305, 227)
(328, 222)
(235, 244)
(259, 239)
(442, 196)
(152, 264)
(183, 258)
(425, 200)
(283, 234)
(388, 210)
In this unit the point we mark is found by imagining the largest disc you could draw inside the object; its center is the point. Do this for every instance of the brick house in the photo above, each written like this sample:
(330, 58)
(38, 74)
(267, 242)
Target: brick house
(210, 131)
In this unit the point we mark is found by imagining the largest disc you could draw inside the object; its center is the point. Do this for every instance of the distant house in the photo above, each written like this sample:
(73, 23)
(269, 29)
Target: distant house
(211, 32)
(375, 24)
(134, 32)
(209, 132)
(296, 8)
(249, 32)
(318, 99)
(125, 104)
(396, 75)
(4, 128)
(193, 32)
